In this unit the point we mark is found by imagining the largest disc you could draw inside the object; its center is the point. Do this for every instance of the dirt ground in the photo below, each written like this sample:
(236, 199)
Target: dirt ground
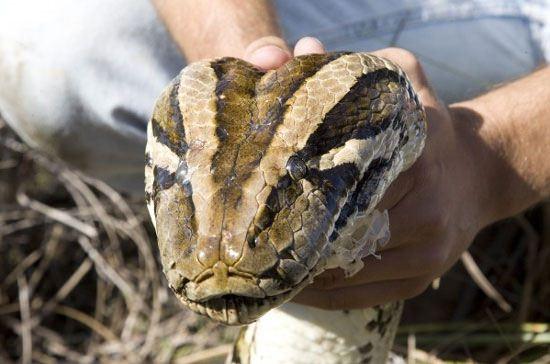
(80, 281)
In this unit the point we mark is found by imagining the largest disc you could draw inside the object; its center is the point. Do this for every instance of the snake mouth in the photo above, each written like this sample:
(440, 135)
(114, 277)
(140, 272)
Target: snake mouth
(239, 309)
(236, 310)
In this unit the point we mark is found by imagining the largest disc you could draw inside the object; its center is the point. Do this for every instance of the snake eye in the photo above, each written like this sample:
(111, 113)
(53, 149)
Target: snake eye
(296, 168)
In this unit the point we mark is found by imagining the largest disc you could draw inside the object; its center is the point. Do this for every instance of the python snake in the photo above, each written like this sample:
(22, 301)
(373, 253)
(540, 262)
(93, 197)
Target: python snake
(256, 182)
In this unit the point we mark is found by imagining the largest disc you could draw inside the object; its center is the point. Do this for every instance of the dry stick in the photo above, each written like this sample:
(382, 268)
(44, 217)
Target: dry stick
(42, 358)
(72, 178)
(133, 229)
(510, 357)
(23, 265)
(87, 230)
(49, 250)
(16, 327)
(25, 310)
(424, 357)
(543, 269)
(87, 320)
(100, 298)
(212, 355)
(104, 269)
(411, 348)
(64, 291)
(63, 173)
(69, 285)
(60, 295)
(23, 214)
(479, 278)
(57, 215)
(9, 308)
(137, 234)
(109, 273)
(152, 270)
(6, 230)
(74, 357)
(83, 207)
(58, 347)
(21, 148)
(545, 359)
(8, 163)
(532, 242)
(177, 340)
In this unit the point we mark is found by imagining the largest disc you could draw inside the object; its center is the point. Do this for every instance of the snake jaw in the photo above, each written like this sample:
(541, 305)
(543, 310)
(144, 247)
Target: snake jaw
(232, 297)
(233, 309)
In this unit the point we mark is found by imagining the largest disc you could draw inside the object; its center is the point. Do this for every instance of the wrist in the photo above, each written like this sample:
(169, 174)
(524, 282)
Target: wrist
(496, 187)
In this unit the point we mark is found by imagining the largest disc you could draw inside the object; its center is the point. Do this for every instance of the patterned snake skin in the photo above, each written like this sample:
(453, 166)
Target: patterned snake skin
(257, 182)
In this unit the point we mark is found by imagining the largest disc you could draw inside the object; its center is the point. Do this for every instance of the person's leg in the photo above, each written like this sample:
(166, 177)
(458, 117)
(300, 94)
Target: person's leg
(79, 80)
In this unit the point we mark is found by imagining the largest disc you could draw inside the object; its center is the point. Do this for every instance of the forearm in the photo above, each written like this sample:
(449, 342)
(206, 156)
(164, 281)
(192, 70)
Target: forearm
(206, 29)
(513, 156)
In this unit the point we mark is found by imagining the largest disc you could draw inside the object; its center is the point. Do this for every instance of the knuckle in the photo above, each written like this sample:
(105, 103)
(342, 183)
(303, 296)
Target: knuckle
(408, 59)
(437, 257)
(436, 220)
(416, 288)
(403, 54)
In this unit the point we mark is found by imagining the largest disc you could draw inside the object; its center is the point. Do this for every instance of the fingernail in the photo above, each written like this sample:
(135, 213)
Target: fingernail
(268, 57)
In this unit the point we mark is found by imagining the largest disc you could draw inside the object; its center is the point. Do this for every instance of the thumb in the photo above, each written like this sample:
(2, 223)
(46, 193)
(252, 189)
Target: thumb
(267, 53)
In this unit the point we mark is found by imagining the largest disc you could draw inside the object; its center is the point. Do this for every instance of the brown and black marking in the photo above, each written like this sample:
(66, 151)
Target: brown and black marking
(253, 111)
(250, 105)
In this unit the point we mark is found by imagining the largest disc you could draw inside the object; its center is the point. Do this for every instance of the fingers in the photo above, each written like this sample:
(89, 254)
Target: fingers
(412, 67)
(367, 295)
(397, 190)
(308, 45)
(271, 52)
(406, 262)
(267, 53)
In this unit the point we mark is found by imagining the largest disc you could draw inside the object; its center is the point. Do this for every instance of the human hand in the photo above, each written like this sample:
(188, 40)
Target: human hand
(272, 52)
(435, 209)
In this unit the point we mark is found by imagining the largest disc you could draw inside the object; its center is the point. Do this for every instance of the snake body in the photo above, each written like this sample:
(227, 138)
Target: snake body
(256, 182)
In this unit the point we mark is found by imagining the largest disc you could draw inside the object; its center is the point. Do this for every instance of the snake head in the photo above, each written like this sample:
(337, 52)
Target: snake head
(253, 177)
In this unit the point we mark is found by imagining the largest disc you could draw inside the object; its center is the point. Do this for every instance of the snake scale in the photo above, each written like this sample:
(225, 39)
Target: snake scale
(256, 182)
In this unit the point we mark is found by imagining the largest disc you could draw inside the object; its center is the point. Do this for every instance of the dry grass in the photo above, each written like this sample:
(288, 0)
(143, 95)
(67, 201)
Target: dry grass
(79, 276)
(80, 281)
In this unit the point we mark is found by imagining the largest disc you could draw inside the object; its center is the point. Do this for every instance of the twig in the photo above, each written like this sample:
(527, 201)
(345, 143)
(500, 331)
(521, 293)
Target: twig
(411, 348)
(21, 267)
(108, 272)
(209, 356)
(87, 320)
(25, 311)
(49, 249)
(12, 228)
(482, 282)
(64, 291)
(532, 242)
(57, 215)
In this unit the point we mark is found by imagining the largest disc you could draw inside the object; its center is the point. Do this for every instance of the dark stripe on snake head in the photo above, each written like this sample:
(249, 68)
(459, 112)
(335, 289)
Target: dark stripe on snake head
(249, 110)
(368, 109)
(168, 123)
(360, 199)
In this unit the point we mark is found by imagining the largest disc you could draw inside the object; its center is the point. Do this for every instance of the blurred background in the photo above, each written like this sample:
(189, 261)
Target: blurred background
(80, 281)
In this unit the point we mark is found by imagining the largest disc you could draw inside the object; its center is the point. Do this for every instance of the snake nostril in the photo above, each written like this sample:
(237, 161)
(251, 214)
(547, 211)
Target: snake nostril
(208, 250)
